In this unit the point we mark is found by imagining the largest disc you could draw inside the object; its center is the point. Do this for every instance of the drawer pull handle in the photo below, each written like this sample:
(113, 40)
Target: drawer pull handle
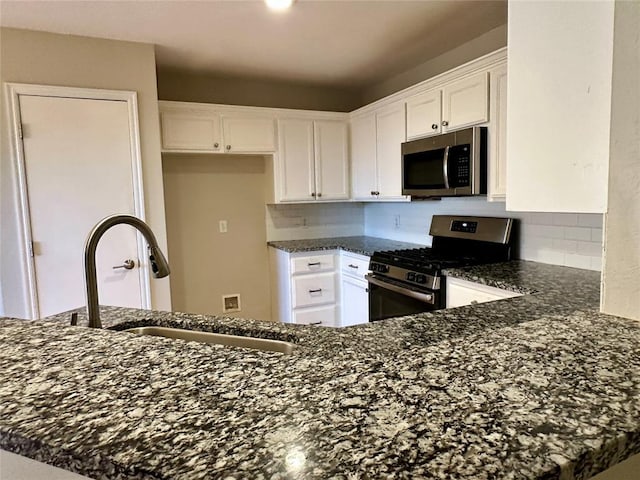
(313, 264)
(315, 323)
(315, 290)
(353, 266)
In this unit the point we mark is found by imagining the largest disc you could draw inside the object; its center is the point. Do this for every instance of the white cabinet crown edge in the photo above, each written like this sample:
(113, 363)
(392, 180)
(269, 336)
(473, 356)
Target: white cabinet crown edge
(484, 63)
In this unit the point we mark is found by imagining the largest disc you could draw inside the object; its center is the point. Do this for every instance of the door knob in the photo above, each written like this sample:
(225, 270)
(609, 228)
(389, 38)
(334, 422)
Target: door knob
(127, 265)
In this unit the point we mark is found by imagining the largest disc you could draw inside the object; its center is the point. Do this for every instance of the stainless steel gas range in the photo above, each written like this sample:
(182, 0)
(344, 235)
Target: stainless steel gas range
(406, 282)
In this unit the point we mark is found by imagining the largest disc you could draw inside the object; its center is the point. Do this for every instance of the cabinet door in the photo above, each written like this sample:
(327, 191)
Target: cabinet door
(355, 302)
(295, 160)
(363, 157)
(465, 102)
(390, 129)
(191, 132)
(497, 164)
(424, 114)
(331, 140)
(245, 134)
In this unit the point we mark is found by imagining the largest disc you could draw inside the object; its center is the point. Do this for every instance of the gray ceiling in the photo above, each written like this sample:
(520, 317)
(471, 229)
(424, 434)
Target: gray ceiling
(331, 43)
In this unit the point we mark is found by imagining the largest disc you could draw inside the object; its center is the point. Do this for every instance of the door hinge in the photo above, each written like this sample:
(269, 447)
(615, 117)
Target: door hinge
(31, 249)
(20, 134)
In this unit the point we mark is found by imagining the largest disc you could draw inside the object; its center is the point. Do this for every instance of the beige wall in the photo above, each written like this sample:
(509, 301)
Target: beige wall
(482, 45)
(66, 60)
(621, 268)
(207, 88)
(201, 190)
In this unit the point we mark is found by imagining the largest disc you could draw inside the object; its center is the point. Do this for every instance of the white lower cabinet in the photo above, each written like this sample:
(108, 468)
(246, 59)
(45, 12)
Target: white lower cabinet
(325, 288)
(354, 292)
(355, 302)
(462, 292)
(305, 287)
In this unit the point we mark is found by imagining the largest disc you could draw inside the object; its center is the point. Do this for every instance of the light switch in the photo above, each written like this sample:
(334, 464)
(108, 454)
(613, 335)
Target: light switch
(222, 226)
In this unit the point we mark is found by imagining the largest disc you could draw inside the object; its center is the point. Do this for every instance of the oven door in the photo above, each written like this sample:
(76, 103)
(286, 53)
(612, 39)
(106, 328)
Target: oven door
(392, 299)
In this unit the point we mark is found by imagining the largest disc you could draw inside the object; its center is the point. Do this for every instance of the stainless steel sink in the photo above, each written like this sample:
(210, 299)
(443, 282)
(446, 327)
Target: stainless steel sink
(216, 338)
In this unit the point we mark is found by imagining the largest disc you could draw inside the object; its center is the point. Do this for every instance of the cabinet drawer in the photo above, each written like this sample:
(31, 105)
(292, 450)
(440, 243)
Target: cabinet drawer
(314, 290)
(354, 265)
(326, 316)
(312, 264)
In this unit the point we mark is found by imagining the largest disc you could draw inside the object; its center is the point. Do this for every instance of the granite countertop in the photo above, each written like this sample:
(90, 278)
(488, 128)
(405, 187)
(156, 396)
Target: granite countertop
(540, 386)
(362, 245)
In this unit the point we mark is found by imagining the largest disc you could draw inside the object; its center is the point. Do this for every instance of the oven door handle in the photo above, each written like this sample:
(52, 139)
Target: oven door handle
(423, 297)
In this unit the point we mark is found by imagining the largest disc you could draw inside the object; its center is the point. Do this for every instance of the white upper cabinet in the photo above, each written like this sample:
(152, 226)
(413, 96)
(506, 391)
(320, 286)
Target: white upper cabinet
(363, 157)
(458, 104)
(296, 160)
(390, 133)
(313, 160)
(376, 138)
(331, 141)
(465, 102)
(215, 129)
(424, 114)
(497, 165)
(246, 134)
(559, 109)
(194, 131)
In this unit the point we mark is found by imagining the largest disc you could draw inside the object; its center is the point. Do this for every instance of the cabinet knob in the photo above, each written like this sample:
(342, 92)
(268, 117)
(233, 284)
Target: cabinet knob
(216, 145)
(313, 194)
(434, 126)
(228, 147)
(319, 195)
(445, 123)
(372, 192)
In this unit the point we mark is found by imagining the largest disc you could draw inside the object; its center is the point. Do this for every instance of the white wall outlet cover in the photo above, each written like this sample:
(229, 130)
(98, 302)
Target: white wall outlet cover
(222, 226)
(231, 303)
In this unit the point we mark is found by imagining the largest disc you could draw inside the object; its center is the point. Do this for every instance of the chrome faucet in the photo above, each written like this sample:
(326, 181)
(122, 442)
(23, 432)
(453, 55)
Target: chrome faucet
(158, 262)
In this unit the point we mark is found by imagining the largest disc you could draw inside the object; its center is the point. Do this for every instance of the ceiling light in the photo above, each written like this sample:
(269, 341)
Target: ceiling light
(278, 4)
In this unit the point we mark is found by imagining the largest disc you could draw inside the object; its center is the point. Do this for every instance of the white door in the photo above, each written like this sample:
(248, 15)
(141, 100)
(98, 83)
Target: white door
(78, 168)
(363, 157)
(390, 133)
(424, 114)
(244, 134)
(466, 102)
(331, 140)
(296, 160)
(355, 302)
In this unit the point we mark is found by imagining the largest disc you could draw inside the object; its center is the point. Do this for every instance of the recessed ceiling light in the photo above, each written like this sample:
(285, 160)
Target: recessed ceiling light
(278, 4)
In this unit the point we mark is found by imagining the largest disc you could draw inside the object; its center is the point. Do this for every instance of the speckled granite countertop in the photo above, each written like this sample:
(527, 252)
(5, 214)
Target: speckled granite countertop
(362, 245)
(536, 387)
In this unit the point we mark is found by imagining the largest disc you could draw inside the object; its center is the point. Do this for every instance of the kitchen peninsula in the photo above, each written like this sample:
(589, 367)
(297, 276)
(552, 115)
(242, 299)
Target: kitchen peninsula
(536, 387)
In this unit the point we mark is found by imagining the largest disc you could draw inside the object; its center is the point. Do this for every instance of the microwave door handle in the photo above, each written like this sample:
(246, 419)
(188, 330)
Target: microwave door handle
(445, 167)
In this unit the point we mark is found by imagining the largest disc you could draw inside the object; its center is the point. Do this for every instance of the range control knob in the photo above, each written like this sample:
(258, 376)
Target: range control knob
(411, 276)
(383, 268)
(421, 279)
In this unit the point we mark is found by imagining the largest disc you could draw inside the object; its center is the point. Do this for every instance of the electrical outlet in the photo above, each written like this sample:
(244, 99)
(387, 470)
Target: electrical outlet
(396, 221)
(231, 303)
(222, 226)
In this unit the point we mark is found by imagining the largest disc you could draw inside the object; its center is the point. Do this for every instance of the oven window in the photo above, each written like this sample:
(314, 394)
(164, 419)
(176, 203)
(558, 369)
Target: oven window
(424, 170)
(384, 303)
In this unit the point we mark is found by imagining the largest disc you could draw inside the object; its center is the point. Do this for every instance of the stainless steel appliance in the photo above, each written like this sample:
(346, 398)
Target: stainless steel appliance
(406, 282)
(448, 165)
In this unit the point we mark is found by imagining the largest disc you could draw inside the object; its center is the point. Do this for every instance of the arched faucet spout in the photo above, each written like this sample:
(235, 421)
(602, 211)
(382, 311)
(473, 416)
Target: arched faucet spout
(159, 264)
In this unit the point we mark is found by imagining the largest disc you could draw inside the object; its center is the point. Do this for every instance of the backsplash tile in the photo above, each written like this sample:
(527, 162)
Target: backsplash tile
(320, 220)
(568, 239)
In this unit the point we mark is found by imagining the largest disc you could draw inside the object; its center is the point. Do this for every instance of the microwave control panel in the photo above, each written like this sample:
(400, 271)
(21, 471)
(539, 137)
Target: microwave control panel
(462, 159)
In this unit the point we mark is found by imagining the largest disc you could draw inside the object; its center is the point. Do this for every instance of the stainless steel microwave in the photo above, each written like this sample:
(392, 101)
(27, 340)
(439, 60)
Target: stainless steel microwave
(449, 165)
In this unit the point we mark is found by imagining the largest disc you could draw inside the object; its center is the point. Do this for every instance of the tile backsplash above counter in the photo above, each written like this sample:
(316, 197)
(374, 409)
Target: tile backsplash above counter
(568, 239)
